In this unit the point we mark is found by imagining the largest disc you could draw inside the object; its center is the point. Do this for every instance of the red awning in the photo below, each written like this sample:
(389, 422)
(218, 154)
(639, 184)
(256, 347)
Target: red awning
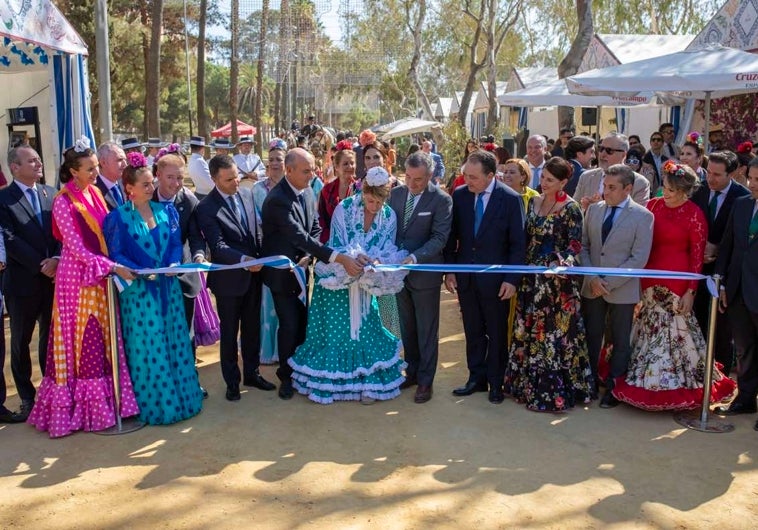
(226, 131)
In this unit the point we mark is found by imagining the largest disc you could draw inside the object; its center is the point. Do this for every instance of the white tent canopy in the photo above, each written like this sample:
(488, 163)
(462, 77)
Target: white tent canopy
(42, 59)
(715, 70)
(557, 93)
(694, 74)
(410, 126)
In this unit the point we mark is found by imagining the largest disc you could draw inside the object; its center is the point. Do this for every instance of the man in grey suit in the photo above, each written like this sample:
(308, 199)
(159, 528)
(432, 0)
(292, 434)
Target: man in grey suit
(617, 232)
(611, 150)
(424, 214)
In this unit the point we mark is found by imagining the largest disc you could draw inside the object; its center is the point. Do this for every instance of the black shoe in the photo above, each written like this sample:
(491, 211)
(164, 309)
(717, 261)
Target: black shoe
(285, 390)
(233, 393)
(409, 382)
(469, 388)
(204, 391)
(755, 427)
(609, 400)
(423, 394)
(25, 409)
(257, 381)
(7, 416)
(496, 396)
(734, 409)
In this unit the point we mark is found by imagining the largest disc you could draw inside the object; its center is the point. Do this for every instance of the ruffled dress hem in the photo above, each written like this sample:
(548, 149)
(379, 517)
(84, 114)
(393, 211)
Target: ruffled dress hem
(677, 399)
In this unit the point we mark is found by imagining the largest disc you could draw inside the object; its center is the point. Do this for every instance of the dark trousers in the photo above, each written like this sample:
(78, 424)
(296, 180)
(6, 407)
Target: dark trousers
(293, 318)
(600, 318)
(723, 350)
(745, 331)
(240, 315)
(3, 389)
(485, 322)
(25, 312)
(419, 326)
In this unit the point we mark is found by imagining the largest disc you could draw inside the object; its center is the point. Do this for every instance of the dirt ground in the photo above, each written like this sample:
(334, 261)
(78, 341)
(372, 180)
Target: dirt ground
(265, 463)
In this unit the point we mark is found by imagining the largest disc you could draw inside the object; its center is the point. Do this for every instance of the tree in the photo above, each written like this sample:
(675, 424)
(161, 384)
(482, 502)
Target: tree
(492, 21)
(573, 59)
(257, 114)
(153, 72)
(415, 13)
(202, 121)
(234, 69)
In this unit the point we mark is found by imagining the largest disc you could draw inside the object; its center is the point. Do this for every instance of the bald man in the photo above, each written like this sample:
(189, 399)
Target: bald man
(290, 228)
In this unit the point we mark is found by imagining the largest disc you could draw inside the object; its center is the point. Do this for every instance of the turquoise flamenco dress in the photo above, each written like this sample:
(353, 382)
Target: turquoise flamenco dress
(348, 354)
(156, 340)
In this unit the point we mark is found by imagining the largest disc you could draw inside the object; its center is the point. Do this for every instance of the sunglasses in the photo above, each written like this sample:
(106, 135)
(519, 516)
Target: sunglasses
(632, 161)
(609, 150)
(656, 139)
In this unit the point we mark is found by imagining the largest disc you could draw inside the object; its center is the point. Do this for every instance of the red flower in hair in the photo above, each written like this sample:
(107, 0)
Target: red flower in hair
(343, 145)
(489, 147)
(745, 148)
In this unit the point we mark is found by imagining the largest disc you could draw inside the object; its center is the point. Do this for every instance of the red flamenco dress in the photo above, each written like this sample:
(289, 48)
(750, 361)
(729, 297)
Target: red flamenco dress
(667, 367)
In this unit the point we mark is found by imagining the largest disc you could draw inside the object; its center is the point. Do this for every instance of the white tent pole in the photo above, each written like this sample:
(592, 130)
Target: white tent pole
(103, 70)
(707, 119)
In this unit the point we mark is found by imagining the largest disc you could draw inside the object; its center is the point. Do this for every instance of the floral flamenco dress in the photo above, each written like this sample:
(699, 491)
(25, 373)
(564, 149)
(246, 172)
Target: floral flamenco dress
(667, 366)
(77, 389)
(348, 354)
(549, 368)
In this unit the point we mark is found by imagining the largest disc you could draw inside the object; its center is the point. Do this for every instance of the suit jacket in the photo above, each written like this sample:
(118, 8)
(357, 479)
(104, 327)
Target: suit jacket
(427, 231)
(589, 185)
(27, 242)
(737, 260)
(185, 203)
(650, 170)
(289, 231)
(716, 227)
(228, 240)
(110, 202)
(570, 187)
(627, 246)
(501, 239)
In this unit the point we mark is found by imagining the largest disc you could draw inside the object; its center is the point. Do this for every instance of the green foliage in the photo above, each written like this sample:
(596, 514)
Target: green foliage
(453, 147)
(359, 118)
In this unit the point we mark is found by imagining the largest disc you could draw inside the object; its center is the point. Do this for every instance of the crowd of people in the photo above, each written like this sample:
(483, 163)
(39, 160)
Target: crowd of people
(549, 341)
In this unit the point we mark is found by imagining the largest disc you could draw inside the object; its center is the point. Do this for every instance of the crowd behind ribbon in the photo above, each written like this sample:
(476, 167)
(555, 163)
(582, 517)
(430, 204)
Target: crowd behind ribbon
(549, 341)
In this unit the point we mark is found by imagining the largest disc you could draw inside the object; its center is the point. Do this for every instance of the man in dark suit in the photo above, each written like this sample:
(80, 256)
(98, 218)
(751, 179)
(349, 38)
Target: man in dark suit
(737, 263)
(617, 232)
(424, 215)
(488, 228)
(291, 229)
(112, 162)
(32, 260)
(716, 200)
(6, 415)
(171, 190)
(227, 220)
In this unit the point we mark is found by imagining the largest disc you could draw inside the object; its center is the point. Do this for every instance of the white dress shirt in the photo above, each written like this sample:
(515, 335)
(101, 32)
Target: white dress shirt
(200, 174)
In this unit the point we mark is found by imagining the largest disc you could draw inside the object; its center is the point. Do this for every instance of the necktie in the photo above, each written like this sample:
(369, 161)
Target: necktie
(713, 205)
(608, 224)
(116, 192)
(753, 229)
(35, 203)
(478, 212)
(408, 213)
(536, 177)
(301, 200)
(237, 210)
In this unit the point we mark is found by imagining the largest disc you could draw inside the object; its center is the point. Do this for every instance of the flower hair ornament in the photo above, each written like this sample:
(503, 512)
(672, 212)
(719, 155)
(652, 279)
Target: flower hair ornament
(745, 148)
(672, 168)
(344, 145)
(696, 138)
(169, 149)
(136, 160)
(377, 176)
(277, 143)
(82, 144)
(489, 147)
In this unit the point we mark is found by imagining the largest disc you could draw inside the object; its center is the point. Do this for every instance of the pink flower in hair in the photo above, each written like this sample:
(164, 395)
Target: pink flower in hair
(136, 160)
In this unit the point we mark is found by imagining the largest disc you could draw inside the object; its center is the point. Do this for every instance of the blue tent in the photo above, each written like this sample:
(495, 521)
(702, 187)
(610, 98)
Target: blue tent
(43, 64)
